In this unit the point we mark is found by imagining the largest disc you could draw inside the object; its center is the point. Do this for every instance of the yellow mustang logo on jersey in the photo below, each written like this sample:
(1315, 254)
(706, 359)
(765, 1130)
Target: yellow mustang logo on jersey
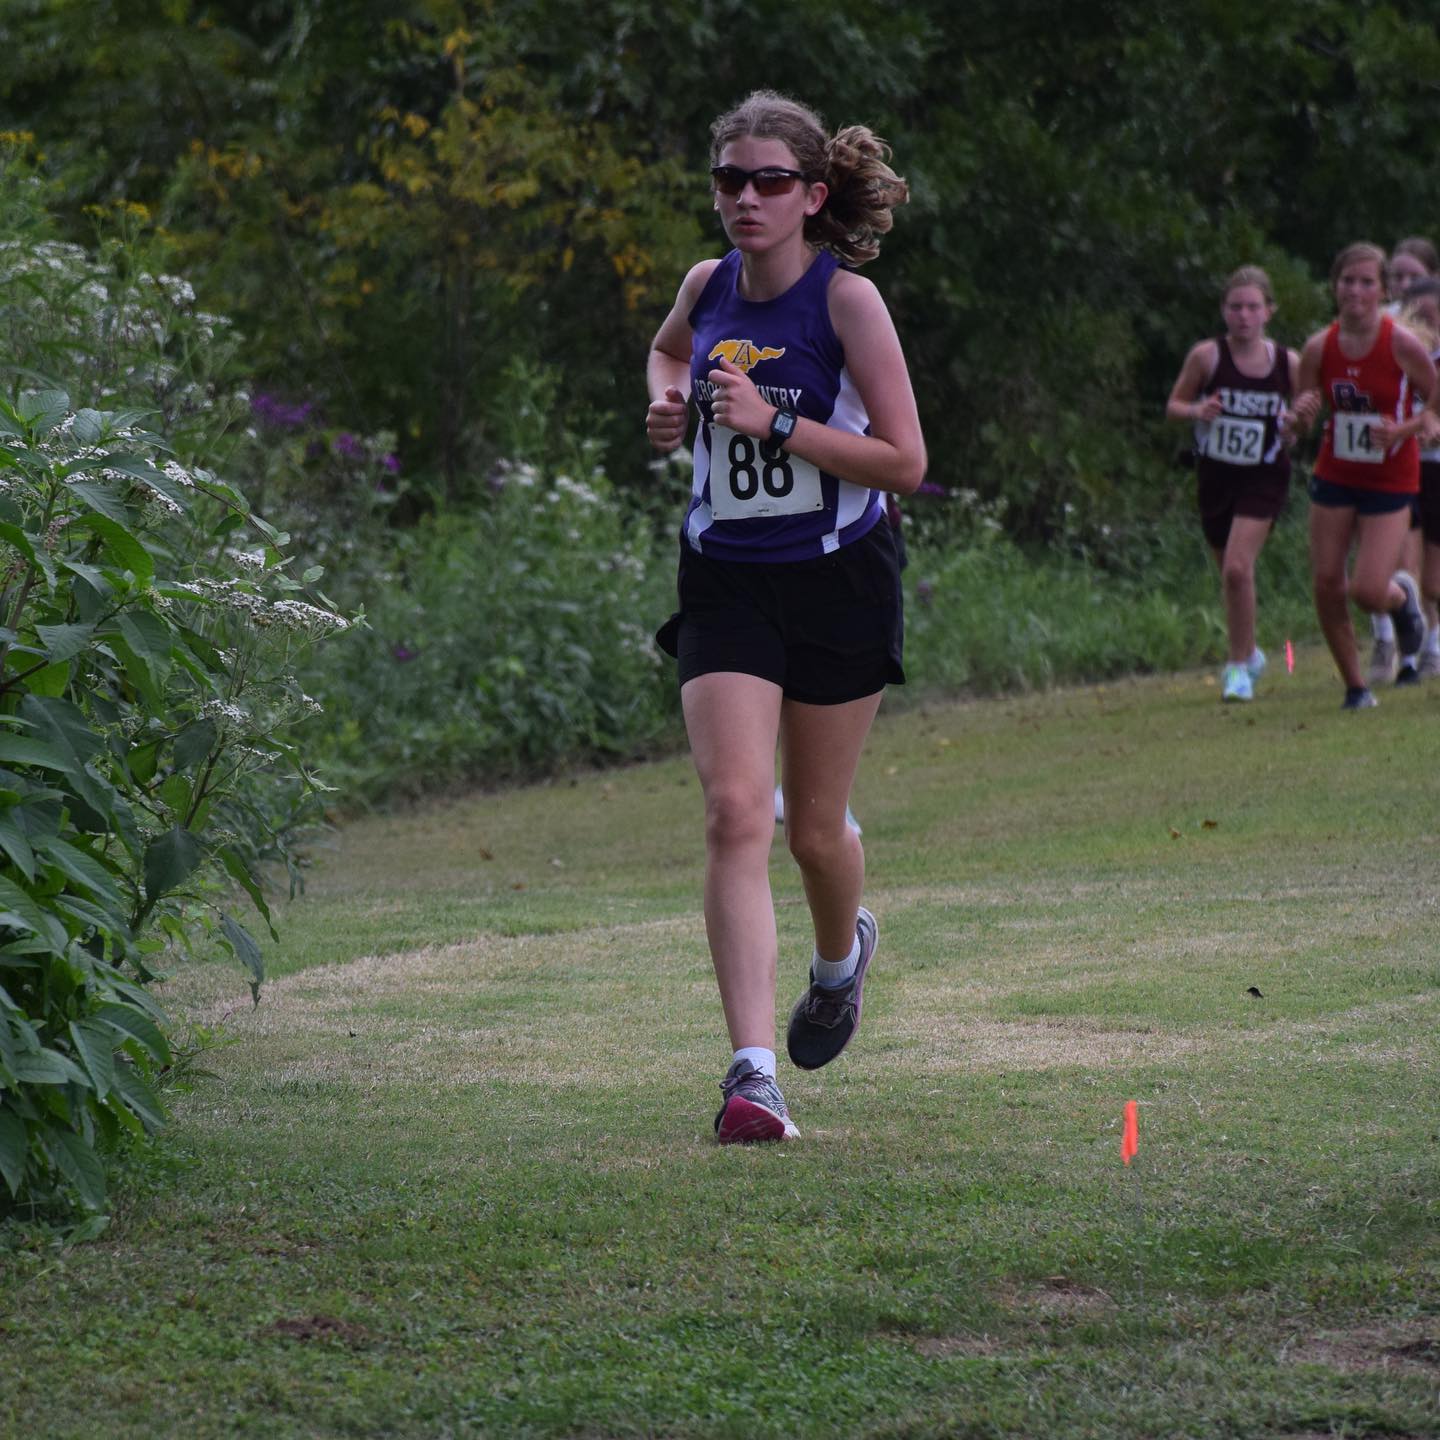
(744, 355)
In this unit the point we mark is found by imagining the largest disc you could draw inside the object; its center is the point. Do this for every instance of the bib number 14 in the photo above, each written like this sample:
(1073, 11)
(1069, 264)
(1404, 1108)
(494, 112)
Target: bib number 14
(1354, 440)
(751, 479)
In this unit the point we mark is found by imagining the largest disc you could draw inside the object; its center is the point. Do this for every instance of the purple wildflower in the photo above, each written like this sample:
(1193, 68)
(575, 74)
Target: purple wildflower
(392, 464)
(403, 653)
(271, 410)
(924, 592)
(347, 445)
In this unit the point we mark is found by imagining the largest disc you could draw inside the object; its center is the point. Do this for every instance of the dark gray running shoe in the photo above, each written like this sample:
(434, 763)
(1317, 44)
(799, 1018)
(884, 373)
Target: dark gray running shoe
(1409, 618)
(824, 1020)
(1357, 697)
(753, 1109)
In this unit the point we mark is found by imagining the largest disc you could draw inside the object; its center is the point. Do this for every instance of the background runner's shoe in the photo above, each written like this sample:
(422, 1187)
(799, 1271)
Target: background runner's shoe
(753, 1109)
(1237, 684)
(1357, 697)
(1429, 664)
(1256, 663)
(824, 1020)
(1410, 618)
(1382, 662)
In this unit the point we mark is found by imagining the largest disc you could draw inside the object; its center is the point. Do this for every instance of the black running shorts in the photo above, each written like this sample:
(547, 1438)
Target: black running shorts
(826, 631)
(1430, 500)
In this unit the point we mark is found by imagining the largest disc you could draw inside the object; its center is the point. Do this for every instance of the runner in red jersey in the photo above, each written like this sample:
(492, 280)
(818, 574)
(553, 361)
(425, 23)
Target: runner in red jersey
(1235, 390)
(1365, 368)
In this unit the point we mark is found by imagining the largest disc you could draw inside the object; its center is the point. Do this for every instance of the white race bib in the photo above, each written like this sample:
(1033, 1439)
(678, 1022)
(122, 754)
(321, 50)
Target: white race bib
(1351, 438)
(1235, 442)
(751, 479)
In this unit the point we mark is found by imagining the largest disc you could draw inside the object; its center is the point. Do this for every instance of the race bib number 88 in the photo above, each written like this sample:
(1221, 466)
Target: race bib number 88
(751, 479)
(1353, 440)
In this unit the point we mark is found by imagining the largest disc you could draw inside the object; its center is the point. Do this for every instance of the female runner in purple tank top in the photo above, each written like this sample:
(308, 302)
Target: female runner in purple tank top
(789, 624)
(1236, 391)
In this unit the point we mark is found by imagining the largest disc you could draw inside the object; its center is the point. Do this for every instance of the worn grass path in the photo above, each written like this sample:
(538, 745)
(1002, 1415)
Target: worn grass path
(454, 1176)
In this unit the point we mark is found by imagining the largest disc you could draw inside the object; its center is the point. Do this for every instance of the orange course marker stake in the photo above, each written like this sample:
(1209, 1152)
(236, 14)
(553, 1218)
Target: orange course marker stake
(1130, 1138)
(1289, 658)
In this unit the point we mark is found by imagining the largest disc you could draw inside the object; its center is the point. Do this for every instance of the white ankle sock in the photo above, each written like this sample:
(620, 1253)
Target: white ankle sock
(761, 1058)
(1382, 627)
(834, 973)
(1432, 641)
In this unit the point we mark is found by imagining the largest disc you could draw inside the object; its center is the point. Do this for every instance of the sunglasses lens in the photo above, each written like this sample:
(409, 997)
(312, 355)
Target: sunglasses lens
(773, 182)
(731, 180)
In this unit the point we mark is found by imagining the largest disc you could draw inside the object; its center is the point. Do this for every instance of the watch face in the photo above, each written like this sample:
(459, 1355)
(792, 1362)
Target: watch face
(783, 425)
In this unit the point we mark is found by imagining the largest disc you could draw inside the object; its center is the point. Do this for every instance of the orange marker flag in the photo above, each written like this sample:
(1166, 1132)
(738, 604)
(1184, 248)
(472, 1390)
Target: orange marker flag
(1289, 658)
(1130, 1138)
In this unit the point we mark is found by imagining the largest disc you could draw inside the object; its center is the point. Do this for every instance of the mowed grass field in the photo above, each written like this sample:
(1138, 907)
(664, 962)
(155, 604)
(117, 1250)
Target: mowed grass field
(455, 1175)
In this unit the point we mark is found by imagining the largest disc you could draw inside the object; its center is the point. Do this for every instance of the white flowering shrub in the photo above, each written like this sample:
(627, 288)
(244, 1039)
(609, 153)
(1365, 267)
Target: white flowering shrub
(505, 639)
(149, 631)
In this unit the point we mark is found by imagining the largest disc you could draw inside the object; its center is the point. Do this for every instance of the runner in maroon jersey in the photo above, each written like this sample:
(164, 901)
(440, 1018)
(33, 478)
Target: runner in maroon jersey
(1235, 390)
(1365, 368)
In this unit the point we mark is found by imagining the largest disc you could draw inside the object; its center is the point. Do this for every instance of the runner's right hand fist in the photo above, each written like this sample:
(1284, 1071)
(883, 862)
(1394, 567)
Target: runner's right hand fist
(667, 420)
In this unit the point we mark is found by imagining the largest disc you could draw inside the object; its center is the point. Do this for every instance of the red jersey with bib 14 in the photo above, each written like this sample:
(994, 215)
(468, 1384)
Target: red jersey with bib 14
(1364, 392)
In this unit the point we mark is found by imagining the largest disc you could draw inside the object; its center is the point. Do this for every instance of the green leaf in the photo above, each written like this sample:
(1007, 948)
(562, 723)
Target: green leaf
(138, 1026)
(21, 750)
(150, 638)
(64, 642)
(48, 1067)
(52, 680)
(26, 544)
(103, 500)
(242, 942)
(18, 907)
(85, 870)
(44, 409)
(194, 743)
(64, 724)
(88, 427)
(169, 861)
(95, 1045)
(124, 548)
(16, 844)
(143, 760)
(92, 576)
(314, 573)
(242, 875)
(14, 1147)
(139, 1096)
(79, 1164)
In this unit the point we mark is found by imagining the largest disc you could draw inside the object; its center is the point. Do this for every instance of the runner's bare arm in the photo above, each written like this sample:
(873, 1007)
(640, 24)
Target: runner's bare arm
(667, 368)
(1184, 404)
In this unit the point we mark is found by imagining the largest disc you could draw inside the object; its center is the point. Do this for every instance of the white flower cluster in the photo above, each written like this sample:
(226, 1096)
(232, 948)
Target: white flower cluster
(179, 474)
(248, 559)
(576, 489)
(224, 711)
(300, 615)
(638, 641)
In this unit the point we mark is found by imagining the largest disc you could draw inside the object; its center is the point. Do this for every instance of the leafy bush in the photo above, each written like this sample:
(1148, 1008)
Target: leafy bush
(148, 629)
(503, 640)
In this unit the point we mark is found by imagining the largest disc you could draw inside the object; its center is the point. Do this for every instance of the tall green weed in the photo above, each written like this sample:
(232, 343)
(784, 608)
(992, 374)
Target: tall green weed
(149, 626)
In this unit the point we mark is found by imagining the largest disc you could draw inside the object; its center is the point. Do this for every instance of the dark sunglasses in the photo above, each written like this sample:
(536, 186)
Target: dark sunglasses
(731, 180)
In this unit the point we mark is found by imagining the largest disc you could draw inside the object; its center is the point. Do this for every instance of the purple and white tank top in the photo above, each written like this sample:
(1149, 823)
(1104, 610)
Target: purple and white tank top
(751, 501)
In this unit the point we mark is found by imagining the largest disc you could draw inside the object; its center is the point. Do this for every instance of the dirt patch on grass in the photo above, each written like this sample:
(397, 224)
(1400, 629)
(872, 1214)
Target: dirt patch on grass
(326, 1328)
(1057, 1296)
(937, 1040)
(1412, 1349)
(941, 1347)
